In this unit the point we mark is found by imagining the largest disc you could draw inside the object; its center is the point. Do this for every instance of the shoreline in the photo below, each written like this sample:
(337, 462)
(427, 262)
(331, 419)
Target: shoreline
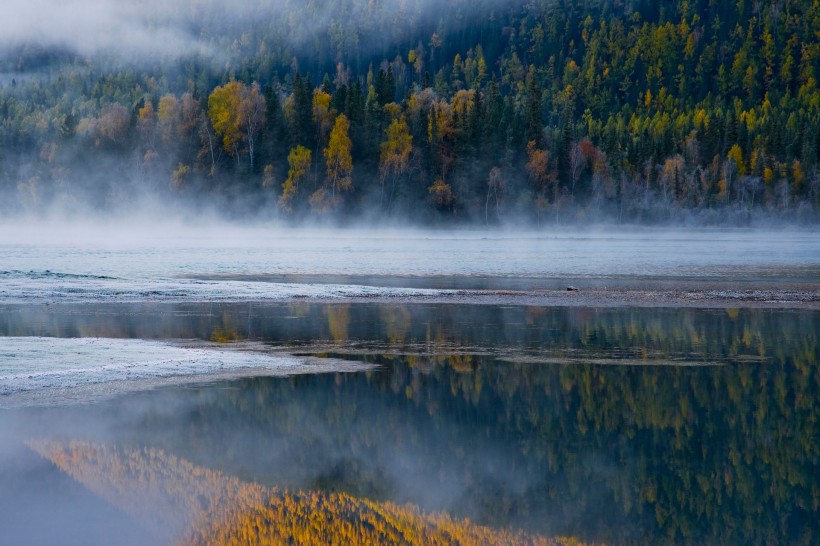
(708, 295)
(100, 392)
(757, 298)
(80, 389)
(789, 288)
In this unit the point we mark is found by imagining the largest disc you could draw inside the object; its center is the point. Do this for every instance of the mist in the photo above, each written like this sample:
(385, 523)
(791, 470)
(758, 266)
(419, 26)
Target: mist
(107, 109)
(137, 32)
(508, 261)
(428, 461)
(327, 452)
(90, 27)
(151, 30)
(41, 505)
(129, 253)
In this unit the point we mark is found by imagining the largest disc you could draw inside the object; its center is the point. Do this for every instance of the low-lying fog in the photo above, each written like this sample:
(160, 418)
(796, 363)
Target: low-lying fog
(209, 251)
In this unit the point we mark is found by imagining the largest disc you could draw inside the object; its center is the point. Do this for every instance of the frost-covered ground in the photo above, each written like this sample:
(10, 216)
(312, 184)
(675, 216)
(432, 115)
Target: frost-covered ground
(18, 286)
(55, 371)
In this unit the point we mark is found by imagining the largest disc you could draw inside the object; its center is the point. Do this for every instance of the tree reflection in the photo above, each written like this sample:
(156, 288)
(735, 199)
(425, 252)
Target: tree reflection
(203, 507)
(706, 433)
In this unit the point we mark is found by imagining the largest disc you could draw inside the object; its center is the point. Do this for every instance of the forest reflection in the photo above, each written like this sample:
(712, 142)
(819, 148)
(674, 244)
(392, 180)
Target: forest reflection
(204, 507)
(609, 453)
(657, 335)
(615, 425)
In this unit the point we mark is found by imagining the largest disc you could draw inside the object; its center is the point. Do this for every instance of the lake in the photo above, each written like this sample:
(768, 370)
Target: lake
(364, 370)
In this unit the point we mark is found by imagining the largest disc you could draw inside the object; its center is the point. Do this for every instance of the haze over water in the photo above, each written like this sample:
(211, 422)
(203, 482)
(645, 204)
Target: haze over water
(228, 263)
(366, 363)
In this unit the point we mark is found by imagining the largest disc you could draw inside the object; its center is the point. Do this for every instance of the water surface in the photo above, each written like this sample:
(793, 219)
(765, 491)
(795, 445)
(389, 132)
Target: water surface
(225, 264)
(617, 425)
(147, 373)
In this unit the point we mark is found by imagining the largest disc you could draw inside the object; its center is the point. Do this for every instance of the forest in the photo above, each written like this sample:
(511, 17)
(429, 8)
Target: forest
(541, 112)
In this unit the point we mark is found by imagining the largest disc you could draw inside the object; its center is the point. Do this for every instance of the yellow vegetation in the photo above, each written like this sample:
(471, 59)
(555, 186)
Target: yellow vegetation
(167, 493)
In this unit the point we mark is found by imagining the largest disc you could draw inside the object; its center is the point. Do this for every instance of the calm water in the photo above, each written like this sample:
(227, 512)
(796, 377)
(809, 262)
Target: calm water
(614, 424)
(55, 264)
(619, 425)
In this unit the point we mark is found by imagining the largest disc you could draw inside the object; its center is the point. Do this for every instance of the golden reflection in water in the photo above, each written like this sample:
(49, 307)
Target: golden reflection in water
(205, 507)
(338, 319)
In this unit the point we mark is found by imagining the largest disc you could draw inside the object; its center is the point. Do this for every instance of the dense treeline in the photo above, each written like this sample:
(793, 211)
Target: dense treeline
(552, 110)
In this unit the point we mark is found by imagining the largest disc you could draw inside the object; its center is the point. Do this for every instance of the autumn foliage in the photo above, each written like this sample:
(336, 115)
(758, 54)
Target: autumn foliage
(205, 507)
(636, 110)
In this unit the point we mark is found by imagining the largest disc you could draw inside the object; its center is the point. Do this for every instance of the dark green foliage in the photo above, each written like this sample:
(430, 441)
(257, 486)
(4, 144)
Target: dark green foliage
(662, 91)
(301, 130)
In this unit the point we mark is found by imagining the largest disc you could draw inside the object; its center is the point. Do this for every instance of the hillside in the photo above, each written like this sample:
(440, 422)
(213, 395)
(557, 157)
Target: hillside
(550, 111)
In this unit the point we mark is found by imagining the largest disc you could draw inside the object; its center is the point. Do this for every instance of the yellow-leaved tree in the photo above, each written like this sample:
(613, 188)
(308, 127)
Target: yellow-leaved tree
(395, 154)
(299, 163)
(339, 167)
(237, 113)
(736, 155)
(322, 115)
(223, 110)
